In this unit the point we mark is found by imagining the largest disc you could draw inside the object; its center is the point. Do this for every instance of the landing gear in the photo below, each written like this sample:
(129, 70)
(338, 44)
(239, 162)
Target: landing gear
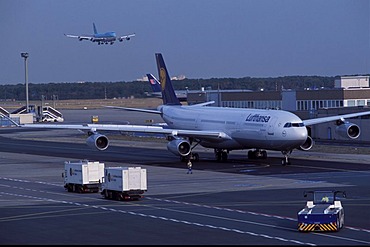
(285, 161)
(257, 154)
(191, 156)
(221, 154)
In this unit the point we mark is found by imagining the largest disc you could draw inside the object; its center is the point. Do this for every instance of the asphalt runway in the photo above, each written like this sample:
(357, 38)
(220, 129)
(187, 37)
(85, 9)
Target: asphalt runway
(240, 202)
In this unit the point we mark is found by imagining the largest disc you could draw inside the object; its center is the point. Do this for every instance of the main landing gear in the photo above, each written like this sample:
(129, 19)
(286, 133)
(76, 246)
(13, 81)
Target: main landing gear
(192, 156)
(257, 154)
(221, 154)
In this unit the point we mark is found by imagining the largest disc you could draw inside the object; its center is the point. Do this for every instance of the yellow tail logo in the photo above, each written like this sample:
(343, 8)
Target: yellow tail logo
(162, 78)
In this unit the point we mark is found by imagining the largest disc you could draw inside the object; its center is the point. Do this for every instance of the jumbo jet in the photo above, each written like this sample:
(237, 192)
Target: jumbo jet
(102, 38)
(157, 91)
(220, 128)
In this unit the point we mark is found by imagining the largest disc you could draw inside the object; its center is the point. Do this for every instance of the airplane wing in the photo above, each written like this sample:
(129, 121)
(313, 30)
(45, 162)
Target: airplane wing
(135, 109)
(80, 37)
(212, 135)
(126, 37)
(313, 121)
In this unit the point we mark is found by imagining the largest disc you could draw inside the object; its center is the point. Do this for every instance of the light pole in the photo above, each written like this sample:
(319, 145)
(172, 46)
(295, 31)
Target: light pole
(25, 56)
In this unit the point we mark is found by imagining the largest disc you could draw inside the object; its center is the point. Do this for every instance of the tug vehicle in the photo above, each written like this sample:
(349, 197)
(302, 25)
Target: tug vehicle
(324, 213)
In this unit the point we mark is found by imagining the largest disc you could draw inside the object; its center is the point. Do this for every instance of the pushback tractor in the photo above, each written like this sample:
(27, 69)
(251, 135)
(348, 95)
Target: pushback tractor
(324, 213)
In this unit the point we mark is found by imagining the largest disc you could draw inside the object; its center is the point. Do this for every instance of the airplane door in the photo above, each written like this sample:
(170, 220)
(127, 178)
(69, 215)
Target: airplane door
(197, 122)
(271, 127)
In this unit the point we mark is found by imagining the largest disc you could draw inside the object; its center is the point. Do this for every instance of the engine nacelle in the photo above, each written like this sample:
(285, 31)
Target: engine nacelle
(98, 141)
(348, 130)
(307, 145)
(179, 147)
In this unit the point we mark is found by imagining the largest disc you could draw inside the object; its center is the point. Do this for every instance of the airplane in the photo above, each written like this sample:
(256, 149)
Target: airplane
(157, 90)
(220, 128)
(102, 38)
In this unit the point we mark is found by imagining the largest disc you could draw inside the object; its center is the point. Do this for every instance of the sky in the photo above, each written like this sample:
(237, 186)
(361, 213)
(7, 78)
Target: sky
(197, 38)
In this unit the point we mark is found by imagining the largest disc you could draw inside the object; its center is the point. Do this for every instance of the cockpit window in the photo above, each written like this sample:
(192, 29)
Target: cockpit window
(289, 124)
(297, 124)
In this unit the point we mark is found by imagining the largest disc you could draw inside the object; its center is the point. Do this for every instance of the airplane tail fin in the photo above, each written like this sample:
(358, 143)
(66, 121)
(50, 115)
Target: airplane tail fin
(95, 30)
(168, 92)
(156, 85)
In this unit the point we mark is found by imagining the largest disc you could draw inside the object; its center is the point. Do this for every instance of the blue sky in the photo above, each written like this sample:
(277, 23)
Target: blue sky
(198, 38)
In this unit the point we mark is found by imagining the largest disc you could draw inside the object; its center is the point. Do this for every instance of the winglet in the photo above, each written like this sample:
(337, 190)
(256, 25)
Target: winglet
(168, 92)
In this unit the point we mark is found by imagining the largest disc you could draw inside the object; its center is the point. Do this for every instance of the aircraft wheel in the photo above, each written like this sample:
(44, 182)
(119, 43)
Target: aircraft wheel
(224, 156)
(196, 157)
(218, 156)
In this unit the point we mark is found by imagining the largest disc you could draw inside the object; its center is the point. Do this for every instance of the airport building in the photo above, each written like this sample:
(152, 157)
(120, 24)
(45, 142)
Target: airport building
(350, 94)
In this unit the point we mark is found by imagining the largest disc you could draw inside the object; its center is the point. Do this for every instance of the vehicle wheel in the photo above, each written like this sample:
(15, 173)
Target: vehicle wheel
(342, 221)
(338, 224)
(79, 189)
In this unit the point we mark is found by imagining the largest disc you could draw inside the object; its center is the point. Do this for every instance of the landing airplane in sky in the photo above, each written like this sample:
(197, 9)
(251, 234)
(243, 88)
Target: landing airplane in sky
(221, 128)
(101, 38)
(157, 90)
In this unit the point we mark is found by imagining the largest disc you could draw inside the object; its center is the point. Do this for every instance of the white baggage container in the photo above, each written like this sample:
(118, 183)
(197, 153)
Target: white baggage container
(83, 176)
(124, 182)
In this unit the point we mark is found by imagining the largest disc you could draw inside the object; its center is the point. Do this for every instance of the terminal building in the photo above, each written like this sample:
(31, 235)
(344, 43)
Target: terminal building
(350, 94)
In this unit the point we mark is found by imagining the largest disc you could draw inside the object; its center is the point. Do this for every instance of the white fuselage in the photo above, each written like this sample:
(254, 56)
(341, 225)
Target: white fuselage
(248, 128)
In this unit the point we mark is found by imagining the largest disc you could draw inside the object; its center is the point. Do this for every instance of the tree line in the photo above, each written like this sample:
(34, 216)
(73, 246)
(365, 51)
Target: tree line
(139, 89)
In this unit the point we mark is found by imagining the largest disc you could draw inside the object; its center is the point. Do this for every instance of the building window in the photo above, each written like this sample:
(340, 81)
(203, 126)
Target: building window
(351, 103)
(361, 102)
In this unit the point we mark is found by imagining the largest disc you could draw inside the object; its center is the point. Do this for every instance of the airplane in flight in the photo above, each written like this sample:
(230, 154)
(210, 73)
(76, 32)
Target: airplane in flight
(102, 38)
(220, 128)
(157, 90)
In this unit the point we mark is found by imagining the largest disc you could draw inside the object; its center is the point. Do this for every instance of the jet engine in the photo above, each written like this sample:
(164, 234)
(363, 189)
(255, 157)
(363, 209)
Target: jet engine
(307, 145)
(179, 147)
(347, 129)
(98, 141)
(127, 38)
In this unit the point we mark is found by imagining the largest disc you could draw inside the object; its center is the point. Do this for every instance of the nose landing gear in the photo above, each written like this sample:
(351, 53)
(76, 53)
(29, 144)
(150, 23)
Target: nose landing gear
(285, 161)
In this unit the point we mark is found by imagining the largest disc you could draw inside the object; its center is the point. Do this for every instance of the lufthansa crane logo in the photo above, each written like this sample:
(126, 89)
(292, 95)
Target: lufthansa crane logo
(162, 78)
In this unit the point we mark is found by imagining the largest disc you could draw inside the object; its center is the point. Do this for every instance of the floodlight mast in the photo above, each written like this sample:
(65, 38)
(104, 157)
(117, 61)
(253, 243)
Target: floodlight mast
(25, 56)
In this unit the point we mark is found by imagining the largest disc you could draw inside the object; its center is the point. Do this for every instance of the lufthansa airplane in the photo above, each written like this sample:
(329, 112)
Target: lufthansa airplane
(221, 128)
(157, 91)
(101, 38)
